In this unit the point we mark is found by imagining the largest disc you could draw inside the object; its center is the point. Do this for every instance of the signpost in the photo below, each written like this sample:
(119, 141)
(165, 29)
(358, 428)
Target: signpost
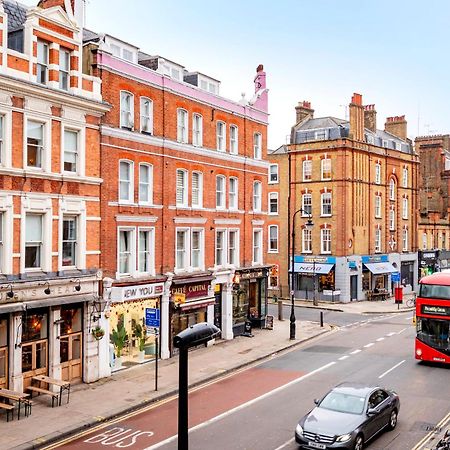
(152, 320)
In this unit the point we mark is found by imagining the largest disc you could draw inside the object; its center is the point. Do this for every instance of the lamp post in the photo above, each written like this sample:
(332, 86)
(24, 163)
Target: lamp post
(309, 223)
(314, 283)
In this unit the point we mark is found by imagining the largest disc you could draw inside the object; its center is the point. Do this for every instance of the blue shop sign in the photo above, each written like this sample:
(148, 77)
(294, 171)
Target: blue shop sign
(317, 259)
(374, 258)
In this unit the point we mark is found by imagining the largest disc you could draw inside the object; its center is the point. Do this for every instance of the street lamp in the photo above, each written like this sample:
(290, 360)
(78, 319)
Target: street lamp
(309, 224)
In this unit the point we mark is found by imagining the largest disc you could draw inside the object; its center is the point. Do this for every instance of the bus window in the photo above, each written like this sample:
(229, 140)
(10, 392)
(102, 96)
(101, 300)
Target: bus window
(434, 291)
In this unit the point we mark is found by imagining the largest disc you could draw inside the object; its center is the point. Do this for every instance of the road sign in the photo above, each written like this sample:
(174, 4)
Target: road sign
(395, 277)
(152, 317)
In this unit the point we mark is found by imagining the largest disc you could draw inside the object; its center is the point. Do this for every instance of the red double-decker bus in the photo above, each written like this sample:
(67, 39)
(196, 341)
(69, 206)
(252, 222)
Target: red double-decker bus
(433, 318)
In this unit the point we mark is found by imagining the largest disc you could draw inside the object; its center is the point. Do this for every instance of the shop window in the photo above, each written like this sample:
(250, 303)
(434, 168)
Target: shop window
(240, 303)
(71, 320)
(64, 69)
(69, 241)
(197, 130)
(407, 273)
(233, 139)
(34, 326)
(126, 110)
(33, 241)
(233, 193)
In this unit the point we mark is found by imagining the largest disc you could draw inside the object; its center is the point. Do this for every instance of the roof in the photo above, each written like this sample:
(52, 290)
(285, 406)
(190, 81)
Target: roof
(351, 388)
(322, 122)
(17, 14)
(90, 36)
(442, 278)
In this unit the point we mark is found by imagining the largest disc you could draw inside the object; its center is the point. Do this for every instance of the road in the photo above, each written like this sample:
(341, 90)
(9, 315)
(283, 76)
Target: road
(258, 408)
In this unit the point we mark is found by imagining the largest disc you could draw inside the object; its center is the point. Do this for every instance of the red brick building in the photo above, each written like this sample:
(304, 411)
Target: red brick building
(184, 198)
(50, 196)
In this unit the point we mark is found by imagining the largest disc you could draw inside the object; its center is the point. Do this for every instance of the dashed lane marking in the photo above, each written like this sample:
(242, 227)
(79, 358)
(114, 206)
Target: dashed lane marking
(354, 352)
(391, 369)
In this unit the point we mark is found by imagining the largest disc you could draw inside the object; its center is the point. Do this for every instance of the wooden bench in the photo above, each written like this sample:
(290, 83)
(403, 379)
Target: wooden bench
(43, 391)
(8, 408)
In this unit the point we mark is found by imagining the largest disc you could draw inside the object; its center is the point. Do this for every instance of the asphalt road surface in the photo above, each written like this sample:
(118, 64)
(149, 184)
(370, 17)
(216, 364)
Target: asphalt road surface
(258, 408)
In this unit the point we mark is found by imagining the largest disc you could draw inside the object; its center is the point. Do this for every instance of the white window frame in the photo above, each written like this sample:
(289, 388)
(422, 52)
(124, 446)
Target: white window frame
(64, 73)
(79, 157)
(197, 130)
(148, 186)
(325, 241)
(132, 251)
(233, 252)
(221, 136)
(273, 174)
(44, 63)
(321, 135)
(257, 145)
(257, 239)
(273, 196)
(405, 177)
(307, 170)
(198, 190)
(223, 249)
(405, 209)
(377, 173)
(184, 189)
(130, 182)
(377, 206)
(5, 141)
(150, 255)
(405, 239)
(378, 240)
(325, 166)
(326, 200)
(306, 205)
(257, 196)
(391, 219)
(39, 244)
(392, 189)
(201, 255)
(233, 194)
(44, 148)
(186, 249)
(234, 140)
(270, 240)
(126, 114)
(182, 125)
(221, 192)
(306, 240)
(146, 118)
(77, 240)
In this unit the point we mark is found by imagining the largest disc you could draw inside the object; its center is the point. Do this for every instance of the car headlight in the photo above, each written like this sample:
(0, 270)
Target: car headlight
(299, 429)
(344, 438)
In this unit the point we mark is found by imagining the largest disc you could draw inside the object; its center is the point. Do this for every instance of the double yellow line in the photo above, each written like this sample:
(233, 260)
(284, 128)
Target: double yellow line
(420, 445)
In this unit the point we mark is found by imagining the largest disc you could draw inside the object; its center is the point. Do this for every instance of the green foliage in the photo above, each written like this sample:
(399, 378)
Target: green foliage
(118, 338)
(139, 332)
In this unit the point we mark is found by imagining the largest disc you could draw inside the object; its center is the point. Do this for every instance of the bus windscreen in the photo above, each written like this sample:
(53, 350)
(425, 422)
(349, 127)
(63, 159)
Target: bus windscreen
(434, 291)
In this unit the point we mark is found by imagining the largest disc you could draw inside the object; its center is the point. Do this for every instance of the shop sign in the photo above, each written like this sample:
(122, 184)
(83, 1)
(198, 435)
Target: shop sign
(178, 298)
(126, 293)
(430, 255)
(374, 258)
(436, 310)
(249, 275)
(190, 291)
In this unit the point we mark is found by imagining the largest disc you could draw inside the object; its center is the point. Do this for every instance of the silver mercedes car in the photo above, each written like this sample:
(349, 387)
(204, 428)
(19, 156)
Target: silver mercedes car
(347, 417)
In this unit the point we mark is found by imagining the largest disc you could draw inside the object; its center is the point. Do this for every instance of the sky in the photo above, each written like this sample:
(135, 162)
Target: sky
(394, 53)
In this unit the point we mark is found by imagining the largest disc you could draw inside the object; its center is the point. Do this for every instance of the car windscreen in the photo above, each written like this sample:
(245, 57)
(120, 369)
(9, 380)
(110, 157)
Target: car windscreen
(338, 401)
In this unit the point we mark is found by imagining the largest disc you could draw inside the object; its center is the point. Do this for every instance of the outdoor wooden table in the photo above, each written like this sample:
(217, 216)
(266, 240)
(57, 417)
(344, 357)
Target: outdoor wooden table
(19, 397)
(63, 385)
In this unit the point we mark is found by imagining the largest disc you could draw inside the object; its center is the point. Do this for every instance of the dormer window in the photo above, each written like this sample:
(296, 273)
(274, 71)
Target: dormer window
(126, 110)
(42, 62)
(127, 55)
(64, 68)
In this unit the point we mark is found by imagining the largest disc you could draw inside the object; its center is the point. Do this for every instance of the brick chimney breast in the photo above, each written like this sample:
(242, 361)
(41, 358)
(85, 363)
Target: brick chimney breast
(303, 111)
(370, 118)
(356, 118)
(397, 126)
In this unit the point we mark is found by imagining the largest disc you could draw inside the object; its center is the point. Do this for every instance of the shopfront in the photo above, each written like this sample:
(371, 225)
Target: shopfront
(249, 298)
(131, 342)
(191, 302)
(314, 277)
(376, 274)
(428, 262)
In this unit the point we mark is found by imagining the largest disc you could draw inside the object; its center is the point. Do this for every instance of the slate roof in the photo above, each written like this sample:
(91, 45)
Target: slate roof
(17, 14)
(90, 36)
(322, 122)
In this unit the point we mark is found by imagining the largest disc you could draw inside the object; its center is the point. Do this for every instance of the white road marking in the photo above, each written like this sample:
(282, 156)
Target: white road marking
(380, 339)
(285, 444)
(391, 334)
(401, 331)
(244, 405)
(391, 369)
(369, 345)
(354, 352)
(344, 357)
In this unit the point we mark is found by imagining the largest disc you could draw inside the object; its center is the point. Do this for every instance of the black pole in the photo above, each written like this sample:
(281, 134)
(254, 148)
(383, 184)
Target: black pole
(183, 441)
(156, 361)
(292, 327)
(321, 318)
(314, 283)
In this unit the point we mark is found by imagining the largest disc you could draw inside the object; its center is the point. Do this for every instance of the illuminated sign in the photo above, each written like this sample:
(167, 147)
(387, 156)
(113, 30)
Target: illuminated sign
(436, 310)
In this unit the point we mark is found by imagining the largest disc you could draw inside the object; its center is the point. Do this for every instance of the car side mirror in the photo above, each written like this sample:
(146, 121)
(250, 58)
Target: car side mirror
(371, 412)
(316, 401)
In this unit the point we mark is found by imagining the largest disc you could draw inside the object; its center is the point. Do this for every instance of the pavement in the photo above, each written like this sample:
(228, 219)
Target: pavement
(128, 390)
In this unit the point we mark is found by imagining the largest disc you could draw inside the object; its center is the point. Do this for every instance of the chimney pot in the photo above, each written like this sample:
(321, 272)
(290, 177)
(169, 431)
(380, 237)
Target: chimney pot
(303, 110)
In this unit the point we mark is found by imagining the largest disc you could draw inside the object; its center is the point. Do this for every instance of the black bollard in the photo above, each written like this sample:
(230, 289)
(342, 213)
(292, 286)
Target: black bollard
(321, 318)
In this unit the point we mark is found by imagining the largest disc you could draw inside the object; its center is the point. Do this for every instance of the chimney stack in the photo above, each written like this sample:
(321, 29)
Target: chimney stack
(356, 118)
(303, 110)
(397, 126)
(370, 118)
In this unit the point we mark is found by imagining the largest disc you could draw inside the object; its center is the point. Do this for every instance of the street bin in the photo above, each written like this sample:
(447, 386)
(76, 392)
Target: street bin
(399, 294)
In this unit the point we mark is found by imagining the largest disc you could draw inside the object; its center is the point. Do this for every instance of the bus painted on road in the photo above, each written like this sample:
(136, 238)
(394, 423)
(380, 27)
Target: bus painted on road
(433, 318)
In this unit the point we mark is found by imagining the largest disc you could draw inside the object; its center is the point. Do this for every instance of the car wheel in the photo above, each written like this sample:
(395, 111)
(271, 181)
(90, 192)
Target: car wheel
(359, 443)
(392, 420)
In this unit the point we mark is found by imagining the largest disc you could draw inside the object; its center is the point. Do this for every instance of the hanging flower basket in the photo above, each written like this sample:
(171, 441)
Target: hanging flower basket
(98, 333)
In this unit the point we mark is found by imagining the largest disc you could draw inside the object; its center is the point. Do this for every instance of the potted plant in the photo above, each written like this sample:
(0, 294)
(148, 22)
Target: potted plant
(98, 333)
(118, 338)
(139, 332)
